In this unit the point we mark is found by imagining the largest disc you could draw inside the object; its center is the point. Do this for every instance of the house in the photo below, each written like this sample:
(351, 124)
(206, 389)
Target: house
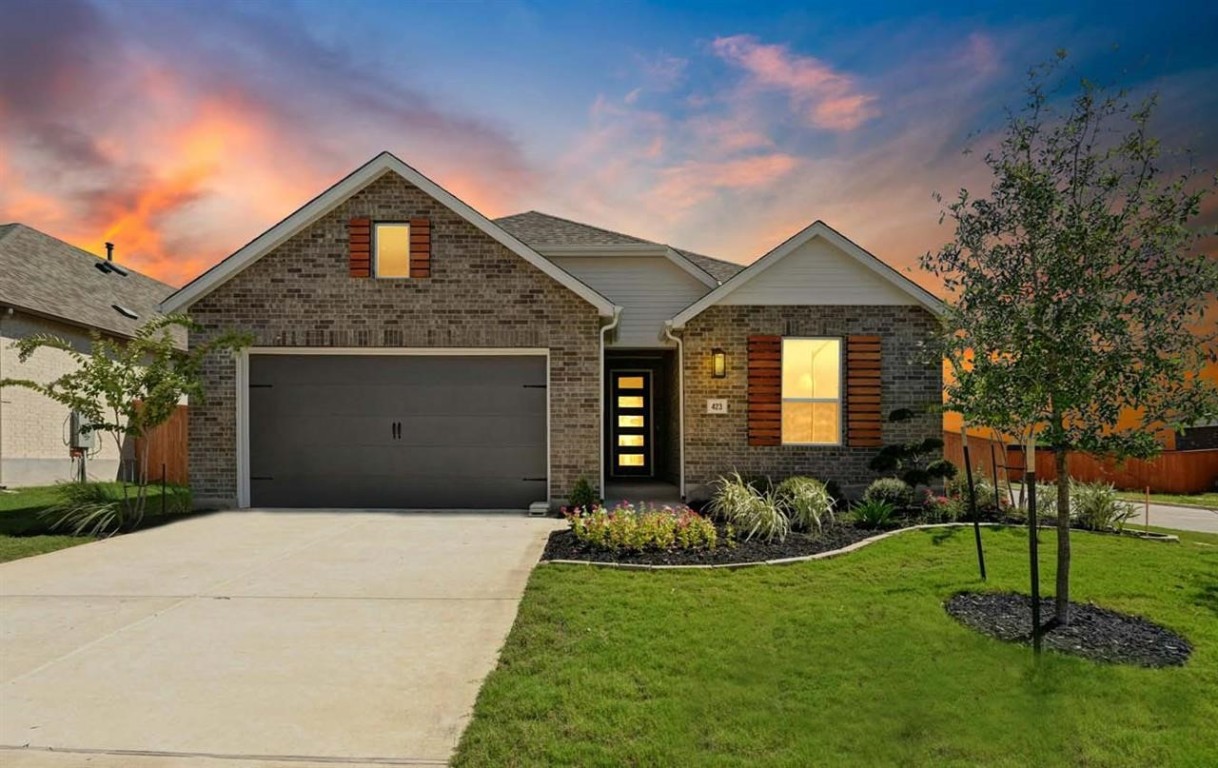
(411, 353)
(50, 287)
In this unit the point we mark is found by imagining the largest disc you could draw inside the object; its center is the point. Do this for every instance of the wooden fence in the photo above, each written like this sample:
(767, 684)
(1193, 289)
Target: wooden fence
(1170, 472)
(167, 448)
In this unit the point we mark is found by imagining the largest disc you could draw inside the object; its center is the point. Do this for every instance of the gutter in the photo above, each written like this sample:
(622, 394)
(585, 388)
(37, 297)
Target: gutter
(668, 328)
(600, 394)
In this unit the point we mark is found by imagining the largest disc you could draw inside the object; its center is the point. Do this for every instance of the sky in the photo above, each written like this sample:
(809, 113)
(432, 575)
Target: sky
(181, 130)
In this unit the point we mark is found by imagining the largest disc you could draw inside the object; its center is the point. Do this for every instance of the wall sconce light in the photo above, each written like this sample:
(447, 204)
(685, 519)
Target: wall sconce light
(718, 363)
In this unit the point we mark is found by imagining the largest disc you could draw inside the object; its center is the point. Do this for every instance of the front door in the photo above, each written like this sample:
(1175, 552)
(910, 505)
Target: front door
(631, 420)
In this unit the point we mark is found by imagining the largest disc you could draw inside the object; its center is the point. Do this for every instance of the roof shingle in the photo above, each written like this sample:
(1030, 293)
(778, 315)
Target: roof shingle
(46, 276)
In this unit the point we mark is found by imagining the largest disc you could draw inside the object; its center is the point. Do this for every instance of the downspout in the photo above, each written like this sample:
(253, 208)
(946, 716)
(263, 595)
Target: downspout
(680, 406)
(600, 395)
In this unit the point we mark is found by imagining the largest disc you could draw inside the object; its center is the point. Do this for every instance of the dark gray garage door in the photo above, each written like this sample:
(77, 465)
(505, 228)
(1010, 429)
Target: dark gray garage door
(401, 432)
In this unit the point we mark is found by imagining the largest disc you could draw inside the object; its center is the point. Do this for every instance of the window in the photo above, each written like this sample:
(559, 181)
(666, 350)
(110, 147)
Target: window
(391, 254)
(811, 391)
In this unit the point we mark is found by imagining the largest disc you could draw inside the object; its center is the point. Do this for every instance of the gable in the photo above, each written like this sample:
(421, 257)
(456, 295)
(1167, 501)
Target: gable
(328, 201)
(819, 272)
(649, 289)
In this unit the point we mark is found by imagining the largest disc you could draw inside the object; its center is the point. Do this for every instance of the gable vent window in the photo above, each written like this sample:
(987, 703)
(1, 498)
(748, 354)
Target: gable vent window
(391, 250)
(125, 312)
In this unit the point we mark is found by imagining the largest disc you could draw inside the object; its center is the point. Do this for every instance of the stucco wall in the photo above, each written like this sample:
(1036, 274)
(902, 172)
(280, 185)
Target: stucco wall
(479, 295)
(717, 444)
(33, 428)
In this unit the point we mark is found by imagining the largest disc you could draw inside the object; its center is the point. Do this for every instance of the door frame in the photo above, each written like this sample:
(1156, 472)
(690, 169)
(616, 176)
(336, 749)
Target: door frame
(243, 391)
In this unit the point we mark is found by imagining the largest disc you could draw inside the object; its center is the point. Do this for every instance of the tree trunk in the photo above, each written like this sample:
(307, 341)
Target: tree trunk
(1063, 539)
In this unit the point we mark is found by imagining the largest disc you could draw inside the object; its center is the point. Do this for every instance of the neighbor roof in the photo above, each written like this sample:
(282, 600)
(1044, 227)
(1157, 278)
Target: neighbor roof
(385, 162)
(46, 276)
(542, 229)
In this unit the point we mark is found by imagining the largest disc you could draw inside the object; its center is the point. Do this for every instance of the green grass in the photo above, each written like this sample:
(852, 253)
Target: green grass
(1203, 500)
(849, 661)
(20, 507)
(17, 547)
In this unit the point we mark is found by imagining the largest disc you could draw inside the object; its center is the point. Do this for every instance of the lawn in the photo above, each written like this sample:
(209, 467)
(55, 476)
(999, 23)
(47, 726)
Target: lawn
(23, 532)
(1203, 500)
(849, 661)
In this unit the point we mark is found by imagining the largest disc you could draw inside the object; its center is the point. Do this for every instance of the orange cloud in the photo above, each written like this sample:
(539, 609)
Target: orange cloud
(827, 98)
(691, 183)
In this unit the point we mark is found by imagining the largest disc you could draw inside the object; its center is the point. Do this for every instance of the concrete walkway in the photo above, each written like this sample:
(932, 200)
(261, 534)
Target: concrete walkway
(1181, 518)
(258, 639)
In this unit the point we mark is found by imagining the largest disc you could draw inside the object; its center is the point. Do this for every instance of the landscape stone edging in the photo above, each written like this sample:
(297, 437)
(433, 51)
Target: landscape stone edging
(802, 558)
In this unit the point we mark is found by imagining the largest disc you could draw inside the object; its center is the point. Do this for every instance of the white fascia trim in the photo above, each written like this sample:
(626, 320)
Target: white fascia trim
(630, 249)
(816, 229)
(319, 206)
(243, 393)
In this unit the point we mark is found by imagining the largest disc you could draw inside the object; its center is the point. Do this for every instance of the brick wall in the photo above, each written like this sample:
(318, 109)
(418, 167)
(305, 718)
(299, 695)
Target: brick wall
(716, 444)
(32, 427)
(479, 295)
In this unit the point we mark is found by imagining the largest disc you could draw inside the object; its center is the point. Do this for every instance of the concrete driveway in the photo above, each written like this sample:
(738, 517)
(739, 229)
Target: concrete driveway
(259, 638)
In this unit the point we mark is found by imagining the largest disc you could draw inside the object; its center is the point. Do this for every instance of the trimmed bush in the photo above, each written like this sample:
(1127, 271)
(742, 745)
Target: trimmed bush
(890, 490)
(807, 502)
(632, 529)
(582, 495)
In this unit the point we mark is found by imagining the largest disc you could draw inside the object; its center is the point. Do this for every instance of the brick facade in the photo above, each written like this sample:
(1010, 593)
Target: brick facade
(479, 294)
(717, 444)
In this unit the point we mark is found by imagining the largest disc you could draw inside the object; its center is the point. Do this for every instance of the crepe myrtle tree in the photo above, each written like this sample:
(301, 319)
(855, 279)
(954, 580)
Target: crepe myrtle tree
(1080, 298)
(127, 388)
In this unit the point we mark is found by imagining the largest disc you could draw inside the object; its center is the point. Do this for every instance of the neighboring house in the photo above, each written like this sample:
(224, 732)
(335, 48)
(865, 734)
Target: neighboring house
(50, 287)
(411, 353)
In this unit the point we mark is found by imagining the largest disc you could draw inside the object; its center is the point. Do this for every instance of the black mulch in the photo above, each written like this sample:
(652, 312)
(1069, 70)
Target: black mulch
(1094, 633)
(564, 546)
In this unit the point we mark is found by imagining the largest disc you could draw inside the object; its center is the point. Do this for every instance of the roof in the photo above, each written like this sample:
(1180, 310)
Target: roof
(815, 229)
(46, 276)
(319, 206)
(542, 229)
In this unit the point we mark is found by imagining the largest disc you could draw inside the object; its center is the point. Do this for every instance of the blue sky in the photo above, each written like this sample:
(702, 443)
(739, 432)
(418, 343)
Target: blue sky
(181, 130)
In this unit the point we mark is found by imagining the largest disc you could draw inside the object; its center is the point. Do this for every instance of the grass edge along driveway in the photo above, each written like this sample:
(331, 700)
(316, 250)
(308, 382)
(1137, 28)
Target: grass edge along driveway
(848, 661)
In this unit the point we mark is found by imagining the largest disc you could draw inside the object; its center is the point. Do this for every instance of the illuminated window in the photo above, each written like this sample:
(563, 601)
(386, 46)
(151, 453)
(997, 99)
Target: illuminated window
(629, 382)
(392, 250)
(811, 391)
(630, 441)
(630, 421)
(630, 460)
(629, 402)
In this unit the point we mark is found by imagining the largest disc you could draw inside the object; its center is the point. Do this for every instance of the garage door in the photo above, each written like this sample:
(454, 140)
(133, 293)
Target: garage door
(397, 432)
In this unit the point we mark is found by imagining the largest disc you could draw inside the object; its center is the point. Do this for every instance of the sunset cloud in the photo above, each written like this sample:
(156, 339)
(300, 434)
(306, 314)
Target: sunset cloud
(827, 98)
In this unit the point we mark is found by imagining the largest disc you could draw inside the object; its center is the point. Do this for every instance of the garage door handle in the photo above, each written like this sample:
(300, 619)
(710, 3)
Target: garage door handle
(534, 479)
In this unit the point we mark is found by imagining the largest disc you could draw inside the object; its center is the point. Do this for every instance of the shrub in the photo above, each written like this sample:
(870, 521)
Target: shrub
(873, 513)
(891, 490)
(87, 509)
(941, 509)
(753, 512)
(1095, 507)
(807, 502)
(632, 529)
(989, 501)
(582, 495)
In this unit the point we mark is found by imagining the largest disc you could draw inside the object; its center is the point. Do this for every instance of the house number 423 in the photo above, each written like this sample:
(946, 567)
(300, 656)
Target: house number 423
(716, 406)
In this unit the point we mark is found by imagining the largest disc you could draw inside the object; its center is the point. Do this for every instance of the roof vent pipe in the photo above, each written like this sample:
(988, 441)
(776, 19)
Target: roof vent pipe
(109, 251)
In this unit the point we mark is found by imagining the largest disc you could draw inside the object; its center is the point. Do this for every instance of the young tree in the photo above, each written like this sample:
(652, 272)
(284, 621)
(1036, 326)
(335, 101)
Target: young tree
(127, 388)
(1079, 293)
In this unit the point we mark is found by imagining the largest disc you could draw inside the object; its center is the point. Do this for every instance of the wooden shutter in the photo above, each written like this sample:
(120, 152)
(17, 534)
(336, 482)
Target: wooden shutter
(420, 248)
(359, 236)
(765, 390)
(864, 424)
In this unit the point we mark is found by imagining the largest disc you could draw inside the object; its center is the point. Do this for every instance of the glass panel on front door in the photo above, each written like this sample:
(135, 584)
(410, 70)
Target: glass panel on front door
(630, 399)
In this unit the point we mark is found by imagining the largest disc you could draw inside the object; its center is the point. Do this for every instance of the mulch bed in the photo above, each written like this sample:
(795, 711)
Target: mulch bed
(564, 546)
(1094, 633)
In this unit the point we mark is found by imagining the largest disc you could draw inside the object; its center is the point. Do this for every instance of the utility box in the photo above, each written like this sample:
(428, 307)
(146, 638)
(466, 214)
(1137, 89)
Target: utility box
(82, 437)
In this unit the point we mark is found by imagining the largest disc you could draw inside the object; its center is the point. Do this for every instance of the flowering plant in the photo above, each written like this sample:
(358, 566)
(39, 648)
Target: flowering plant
(635, 529)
